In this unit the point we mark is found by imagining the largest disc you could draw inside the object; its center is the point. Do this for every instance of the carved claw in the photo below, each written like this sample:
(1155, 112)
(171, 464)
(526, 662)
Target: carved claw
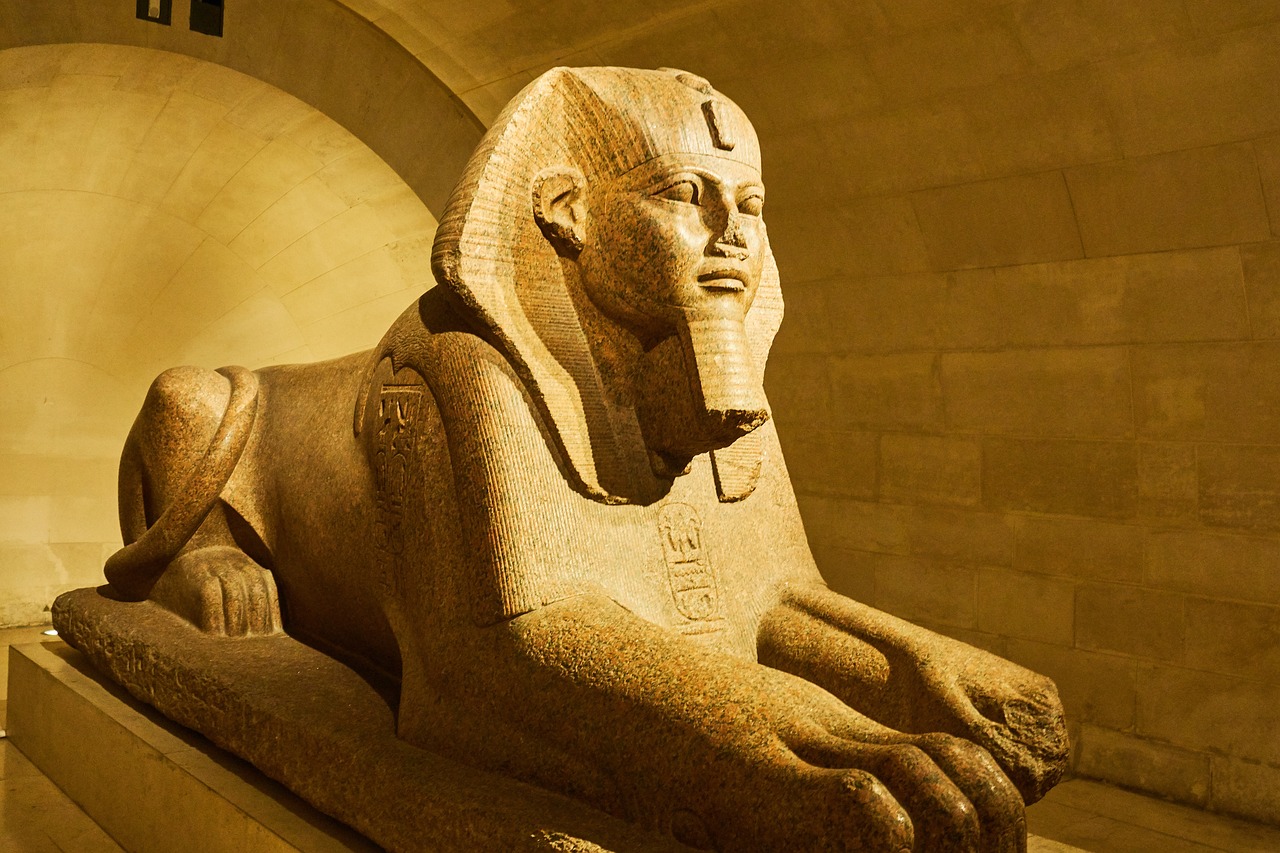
(914, 680)
(221, 591)
(1015, 714)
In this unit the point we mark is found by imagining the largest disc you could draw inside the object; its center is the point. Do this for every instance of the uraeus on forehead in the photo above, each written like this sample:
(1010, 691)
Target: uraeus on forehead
(646, 114)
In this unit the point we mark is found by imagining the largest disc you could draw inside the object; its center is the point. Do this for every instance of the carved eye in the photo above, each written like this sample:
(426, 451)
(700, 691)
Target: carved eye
(683, 191)
(752, 205)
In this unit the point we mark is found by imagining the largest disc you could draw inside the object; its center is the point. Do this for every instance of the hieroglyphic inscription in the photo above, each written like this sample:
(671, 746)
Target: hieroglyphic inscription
(394, 470)
(689, 571)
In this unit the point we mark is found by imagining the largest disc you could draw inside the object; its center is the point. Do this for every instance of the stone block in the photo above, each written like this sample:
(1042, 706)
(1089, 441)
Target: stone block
(799, 388)
(1216, 16)
(1268, 154)
(930, 469)
(1065, 33)
(308, 205)
(1095, 688)
(1234, 638)
(181, 127)
(82, 733)
(850, 573)
(1227, 392)
(922, 14)
(934, 532)
(810, 240)
(350, 285)
(1030, 607)
(109, 753)
(1131, 761)
(931, 590)
(1246, 788)
(1260, 263)
(1229, 82)
(880, 236)
(342, 239)
(806, 328)
(1240, 486)
(1219, 565)
(888, 313)
(1046, 121)
(855, 525)
(1167, 296)
(844, 237)
(979, 51)
(824, 461)
(1203, 197)
(920, 146)
(795, 92)
(1201, 710)
(1168, 481)
(1090, 478)
(276, 168)
(886, 391)
(1018, 220)
(1130, 620)
(994, 643)
(958, 535)
(1086, 549)
(1079, 392)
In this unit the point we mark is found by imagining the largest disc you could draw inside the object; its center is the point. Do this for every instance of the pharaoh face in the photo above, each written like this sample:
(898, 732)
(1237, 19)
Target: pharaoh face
(677, 239)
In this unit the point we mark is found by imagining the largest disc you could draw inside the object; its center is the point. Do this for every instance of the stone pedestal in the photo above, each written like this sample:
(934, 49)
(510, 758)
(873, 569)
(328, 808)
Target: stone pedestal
(329, 737)
(149, 781)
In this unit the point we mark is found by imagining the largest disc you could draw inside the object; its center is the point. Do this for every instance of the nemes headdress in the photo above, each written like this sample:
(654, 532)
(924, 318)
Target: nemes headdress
(491, 254)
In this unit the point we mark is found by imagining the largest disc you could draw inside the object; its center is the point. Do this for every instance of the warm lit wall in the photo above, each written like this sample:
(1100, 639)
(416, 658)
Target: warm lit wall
(158, 210)
(1028, 384)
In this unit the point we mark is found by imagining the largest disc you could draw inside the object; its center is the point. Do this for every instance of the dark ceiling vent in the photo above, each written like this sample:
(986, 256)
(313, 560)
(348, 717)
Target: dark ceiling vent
(206, 17)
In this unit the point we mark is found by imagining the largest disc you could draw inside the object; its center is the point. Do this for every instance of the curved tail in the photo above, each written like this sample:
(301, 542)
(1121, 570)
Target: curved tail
(133, 569)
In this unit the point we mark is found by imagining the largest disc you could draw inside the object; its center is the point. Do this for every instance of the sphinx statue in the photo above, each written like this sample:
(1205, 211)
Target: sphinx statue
(550, 514)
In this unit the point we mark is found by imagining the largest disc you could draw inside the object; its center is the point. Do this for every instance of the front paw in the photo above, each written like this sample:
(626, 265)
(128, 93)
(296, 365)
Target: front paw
(1017, 717)
(221, 591)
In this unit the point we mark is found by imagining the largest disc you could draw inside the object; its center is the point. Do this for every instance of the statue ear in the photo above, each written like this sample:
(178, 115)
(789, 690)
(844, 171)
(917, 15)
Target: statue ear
(559, 207)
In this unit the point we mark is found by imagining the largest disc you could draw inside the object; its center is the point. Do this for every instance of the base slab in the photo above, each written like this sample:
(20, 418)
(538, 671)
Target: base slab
(150, 782)
(306, 720)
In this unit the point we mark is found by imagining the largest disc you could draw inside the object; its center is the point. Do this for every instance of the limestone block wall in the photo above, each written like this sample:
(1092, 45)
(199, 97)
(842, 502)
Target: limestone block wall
(1029, 381)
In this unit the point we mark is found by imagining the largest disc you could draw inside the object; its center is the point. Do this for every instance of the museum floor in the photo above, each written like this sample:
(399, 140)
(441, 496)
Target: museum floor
(36, 817)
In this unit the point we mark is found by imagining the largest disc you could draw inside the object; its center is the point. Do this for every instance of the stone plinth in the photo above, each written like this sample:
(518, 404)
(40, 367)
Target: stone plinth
(147, 780)
(330, 738)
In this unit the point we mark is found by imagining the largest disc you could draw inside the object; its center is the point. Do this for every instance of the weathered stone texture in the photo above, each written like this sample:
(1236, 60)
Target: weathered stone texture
(1025, 606)
(1080, 548)
(1204, 197)
(1079, 393)
(1130, 620)
(930, 469)
(1137, 763)
(1017, 220)
(1087, 478)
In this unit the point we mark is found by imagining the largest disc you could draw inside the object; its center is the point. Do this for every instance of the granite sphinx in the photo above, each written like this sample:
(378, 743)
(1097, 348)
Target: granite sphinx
(549, 517)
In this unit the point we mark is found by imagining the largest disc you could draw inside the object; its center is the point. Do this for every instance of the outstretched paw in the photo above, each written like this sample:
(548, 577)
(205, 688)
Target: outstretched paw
(1012, 712)
(221, 591)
